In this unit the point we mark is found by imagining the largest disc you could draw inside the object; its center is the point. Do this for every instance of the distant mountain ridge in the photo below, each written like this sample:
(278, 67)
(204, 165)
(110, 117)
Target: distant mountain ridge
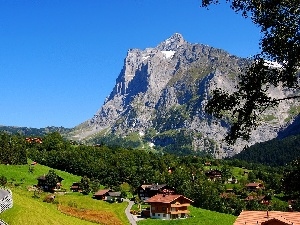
(28, 131)
(160, 95)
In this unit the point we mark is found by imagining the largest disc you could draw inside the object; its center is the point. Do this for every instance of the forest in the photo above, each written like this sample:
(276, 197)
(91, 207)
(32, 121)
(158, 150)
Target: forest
(113, 167)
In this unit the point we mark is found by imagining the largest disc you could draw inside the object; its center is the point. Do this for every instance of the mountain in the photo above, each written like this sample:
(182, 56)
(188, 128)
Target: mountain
(28, 131)
(160, 95)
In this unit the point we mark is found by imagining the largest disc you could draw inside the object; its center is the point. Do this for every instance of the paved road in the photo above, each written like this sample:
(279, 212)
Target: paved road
(128, 214)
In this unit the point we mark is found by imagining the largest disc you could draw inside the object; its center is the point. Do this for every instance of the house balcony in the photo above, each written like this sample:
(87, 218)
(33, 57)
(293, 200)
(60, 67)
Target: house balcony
(180, 205)
(179, 212)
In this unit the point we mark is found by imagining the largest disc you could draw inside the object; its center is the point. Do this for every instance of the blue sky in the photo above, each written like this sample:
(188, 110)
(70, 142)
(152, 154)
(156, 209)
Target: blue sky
(59, 59)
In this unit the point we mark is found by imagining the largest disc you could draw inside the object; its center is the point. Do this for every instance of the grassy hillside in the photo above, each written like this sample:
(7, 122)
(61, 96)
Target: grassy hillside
(69, 208)
(199, 217)
(28, 210)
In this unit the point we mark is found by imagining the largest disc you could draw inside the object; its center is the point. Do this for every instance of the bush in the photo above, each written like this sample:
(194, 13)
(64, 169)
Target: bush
(3, 180)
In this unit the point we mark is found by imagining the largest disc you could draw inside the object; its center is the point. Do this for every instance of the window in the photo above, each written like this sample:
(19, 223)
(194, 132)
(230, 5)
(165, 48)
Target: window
(153, 214)
(153, 207)
(158, 214)
(164, 215)
(163, 208)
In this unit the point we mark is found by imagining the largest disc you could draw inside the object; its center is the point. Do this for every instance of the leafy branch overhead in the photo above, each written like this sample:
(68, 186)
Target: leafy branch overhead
(276, 66)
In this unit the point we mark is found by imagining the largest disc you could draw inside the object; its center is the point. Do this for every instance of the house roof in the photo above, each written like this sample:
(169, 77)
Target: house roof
(260, 217)
(156, 187)
(101, 192)
(253, 184)
(114, 193)
(162, 198)
(253, 197)
(144, 186)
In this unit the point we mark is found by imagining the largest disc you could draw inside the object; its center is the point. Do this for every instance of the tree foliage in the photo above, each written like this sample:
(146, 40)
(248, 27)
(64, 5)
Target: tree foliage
(51, 179)
(12, 149)
(280, 43)
(126, 169)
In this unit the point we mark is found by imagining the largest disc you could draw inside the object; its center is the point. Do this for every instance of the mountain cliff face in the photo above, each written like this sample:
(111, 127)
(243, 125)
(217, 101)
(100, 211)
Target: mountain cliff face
(161, 92)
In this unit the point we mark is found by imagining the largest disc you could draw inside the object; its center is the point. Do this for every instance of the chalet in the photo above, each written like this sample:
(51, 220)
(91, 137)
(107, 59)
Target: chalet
(229, 193)
(268, 218)
(213, 174)
(254, 186)
(101, 194)
(42, 183)
(113, 196)
(164, 206)
(262, 199)
(33, 140)
(75, 187)
(146, 191)
(108, 195)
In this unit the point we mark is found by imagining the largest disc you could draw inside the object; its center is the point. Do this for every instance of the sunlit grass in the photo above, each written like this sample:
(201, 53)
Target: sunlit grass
(198, 216)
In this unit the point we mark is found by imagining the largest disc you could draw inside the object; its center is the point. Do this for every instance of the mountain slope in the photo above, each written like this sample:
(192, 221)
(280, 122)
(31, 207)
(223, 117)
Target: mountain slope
(160, 95)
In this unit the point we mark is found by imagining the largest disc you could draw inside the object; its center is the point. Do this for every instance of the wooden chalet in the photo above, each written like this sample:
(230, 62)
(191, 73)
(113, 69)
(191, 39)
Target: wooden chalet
(108, 195)
(42, 183)
(213, 174)
(75, 187)
(146, 191)
(101, 194)
(254, 186)
(34, 140)
(268, 218)
(164, 206)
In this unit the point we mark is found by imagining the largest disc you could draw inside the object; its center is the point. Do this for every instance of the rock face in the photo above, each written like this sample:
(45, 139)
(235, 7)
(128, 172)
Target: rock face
(161, 93)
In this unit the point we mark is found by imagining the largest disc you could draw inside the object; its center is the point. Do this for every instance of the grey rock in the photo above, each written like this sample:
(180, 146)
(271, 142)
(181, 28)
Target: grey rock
(167, 87)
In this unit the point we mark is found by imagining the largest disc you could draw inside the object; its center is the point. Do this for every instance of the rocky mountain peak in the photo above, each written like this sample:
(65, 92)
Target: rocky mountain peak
(162, 92)
(172, 43)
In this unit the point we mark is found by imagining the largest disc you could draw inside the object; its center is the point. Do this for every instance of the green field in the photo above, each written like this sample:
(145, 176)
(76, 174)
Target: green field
(198, 216)
(28, 210)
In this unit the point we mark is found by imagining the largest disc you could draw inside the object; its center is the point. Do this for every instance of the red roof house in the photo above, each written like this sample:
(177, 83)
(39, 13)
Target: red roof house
(101, 194)
(164, 206)
(268, 218)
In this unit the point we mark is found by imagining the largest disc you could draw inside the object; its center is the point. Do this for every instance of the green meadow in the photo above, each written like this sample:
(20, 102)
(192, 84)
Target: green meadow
(198, 216)
(28, 209)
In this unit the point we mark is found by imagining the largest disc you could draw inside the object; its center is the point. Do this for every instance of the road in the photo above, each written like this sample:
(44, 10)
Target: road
(130, 217)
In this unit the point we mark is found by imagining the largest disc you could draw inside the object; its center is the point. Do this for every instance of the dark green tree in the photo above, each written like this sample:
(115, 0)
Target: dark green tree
(51, 179)
(85, 185)
(3, 180)
(280, 43)
(291, 180)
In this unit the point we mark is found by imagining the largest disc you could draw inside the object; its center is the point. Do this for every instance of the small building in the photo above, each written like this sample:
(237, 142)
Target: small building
(101, 194)
(164, 206)
(42, 183)
(113, 196)
(268, 218)
(75, 187)
(254, 186)
(146, 191)
(213, 174)
(108, 195)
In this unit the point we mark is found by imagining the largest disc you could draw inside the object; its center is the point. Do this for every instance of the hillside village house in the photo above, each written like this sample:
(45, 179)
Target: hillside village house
(268, 218)
(254, 186)
(108, 195)
(147, 191)
(75, 187)
(164, 206)
(214, 174)
(42, 183)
